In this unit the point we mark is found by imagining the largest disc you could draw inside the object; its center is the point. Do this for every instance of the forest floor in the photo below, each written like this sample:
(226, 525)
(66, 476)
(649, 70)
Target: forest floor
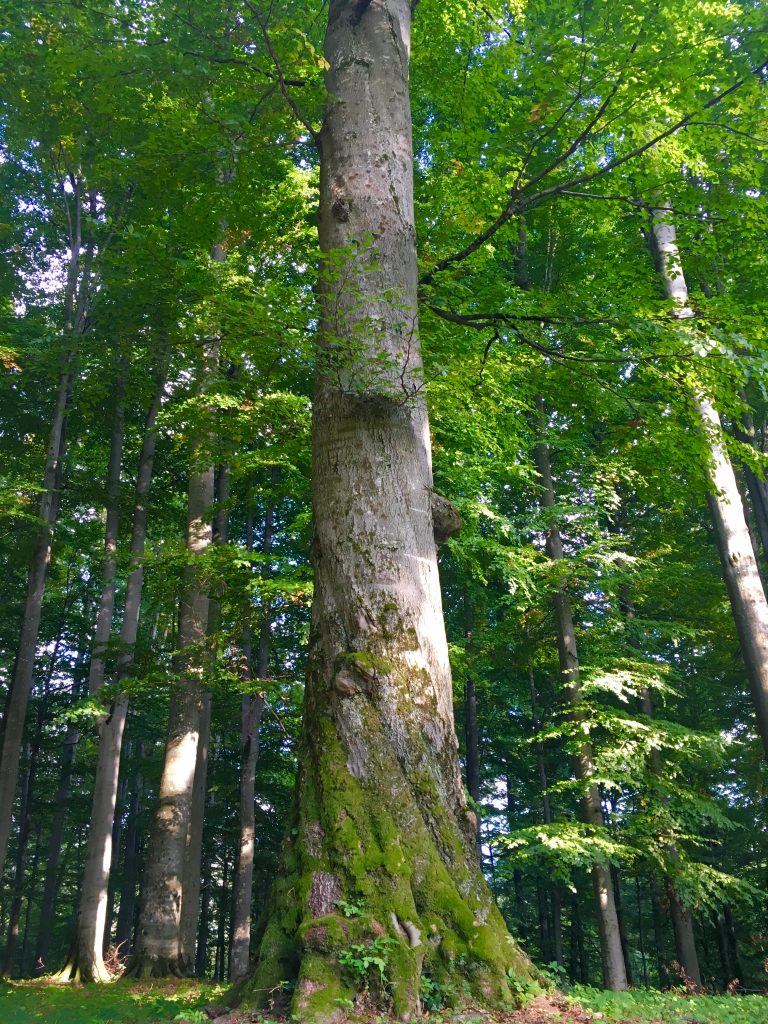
(176, 1002)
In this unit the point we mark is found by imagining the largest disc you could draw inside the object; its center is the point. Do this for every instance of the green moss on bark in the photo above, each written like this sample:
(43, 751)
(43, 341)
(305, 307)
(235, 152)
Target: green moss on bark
(372, 843)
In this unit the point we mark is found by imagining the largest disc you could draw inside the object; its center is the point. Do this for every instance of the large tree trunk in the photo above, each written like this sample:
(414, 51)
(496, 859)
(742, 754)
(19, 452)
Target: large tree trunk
(86, 959)
(740, 569)
(251, 709)
(614, 971)
(381, 818)
(159, 949)
(76, 303)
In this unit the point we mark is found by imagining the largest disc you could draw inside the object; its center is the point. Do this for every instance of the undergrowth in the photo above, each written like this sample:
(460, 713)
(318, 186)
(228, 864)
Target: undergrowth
(120, 1003)
(653, 1007)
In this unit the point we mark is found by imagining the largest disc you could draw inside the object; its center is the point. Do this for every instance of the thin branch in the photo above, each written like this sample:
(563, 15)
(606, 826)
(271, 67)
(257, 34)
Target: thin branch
(281, 79)
(519, 201)
(727, 128)
(292, 82)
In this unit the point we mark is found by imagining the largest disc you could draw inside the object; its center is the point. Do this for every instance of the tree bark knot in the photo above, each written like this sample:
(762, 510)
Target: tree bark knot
(446, 520)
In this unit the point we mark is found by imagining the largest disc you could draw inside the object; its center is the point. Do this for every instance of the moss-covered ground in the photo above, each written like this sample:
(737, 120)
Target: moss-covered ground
(164, 1002)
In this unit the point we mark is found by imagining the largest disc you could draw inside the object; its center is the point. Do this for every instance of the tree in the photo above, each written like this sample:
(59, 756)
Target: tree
(381, 818)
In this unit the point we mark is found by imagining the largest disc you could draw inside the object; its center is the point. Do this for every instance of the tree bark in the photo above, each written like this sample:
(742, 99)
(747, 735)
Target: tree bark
(740, 569)
(190, 907)
(106, 609)
(473, 747)
(251, 709)
(381, 817)
(159, 949)
(127, 913)
(201, 954)
(614, 971)
(86, 959)
(76, 303)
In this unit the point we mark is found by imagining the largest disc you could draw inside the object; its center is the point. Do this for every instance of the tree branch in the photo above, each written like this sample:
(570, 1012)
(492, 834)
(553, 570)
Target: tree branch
(519, 201)
(281, 79)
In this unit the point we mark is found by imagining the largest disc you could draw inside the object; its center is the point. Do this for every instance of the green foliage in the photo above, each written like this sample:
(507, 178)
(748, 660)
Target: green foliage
(368, 963)
(671, 1007)
(99, 1004)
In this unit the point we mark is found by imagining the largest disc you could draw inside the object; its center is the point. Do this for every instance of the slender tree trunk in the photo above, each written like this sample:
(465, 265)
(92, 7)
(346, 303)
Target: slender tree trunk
(86, 960)
(556, 897)
(221, 940)
(25, 819)
(742, 577)
(127, 913)
(106, 610)
(190, 906)
(23, 670)
(56, 839)
(251, 709)
(25, 814)
(201, 956)
(117, 835)
(159, 949)
(473, 746)
(726, 975)
(616, 879)
(756, 488)
(380, 811)
(31, 889)
(733, 945)
(76, 303)
(614, 971)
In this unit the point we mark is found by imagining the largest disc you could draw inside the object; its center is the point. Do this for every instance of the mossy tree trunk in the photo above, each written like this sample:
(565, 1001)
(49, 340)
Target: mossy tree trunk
(383, 844)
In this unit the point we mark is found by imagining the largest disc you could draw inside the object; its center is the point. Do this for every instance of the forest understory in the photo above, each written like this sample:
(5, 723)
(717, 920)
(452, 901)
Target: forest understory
(384, 511)
(197, 1003)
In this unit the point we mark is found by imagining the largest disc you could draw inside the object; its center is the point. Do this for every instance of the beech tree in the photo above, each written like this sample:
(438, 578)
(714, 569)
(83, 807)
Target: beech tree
(381, 812)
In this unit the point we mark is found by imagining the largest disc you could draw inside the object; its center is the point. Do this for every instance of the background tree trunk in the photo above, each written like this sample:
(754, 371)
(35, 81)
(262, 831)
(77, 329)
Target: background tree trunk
(76, 303)
(158, 939)
(251, 709)
(740, 569)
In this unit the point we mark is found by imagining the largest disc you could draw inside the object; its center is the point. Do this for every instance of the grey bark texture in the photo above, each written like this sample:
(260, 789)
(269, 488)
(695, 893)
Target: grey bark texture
(381, 816)
(614, 971)
(737, 555)
(190, 906)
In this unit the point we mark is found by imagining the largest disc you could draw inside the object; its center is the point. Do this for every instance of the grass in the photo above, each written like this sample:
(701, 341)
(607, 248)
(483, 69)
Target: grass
(651, 1007)
(119, 1003)
(164, 1002)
